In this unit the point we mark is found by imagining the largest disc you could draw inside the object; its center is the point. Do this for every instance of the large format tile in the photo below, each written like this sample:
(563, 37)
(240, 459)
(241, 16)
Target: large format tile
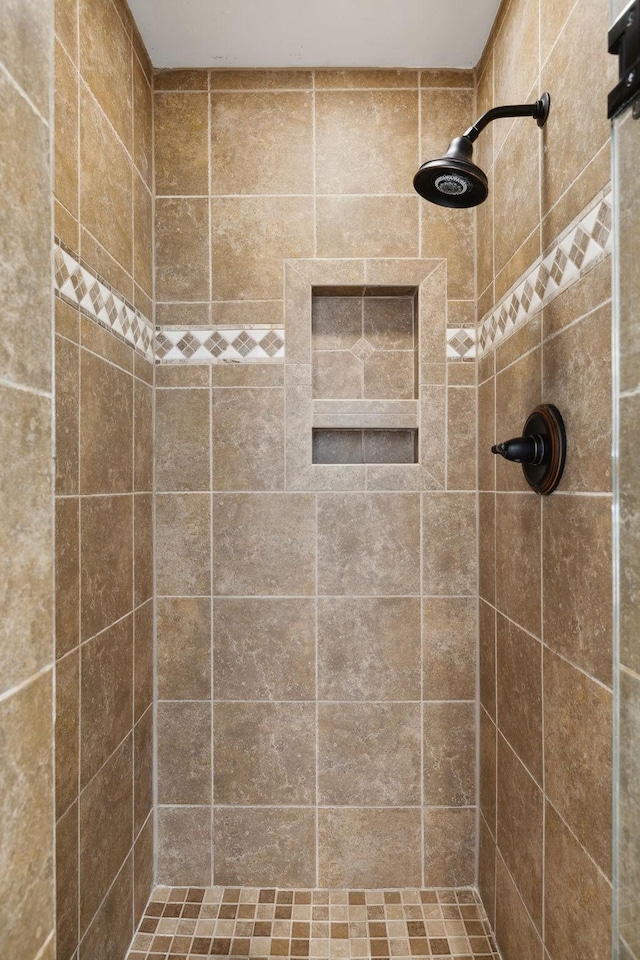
(26, 821)
(248, 439)
(263, 544)
(368, 544)
(184, 752)
(264, 847)
(449, 846)
(184, 845)
(106, 437)
(25, 45)
(577, 581)
(449, 544)
(369, 753)
(263, 649)
(182, 449)
(26, 531)
(518, 577)
(449, 754)
(352, 226)
(105, 597)
(519, 689)
(365, 847)
(181, 135)
(275, 152)
(182, 248)
(578, 717)
(517, 936)
(106, 63)
(183, 648)
(368, 648)
(183, 548)
(264, 753)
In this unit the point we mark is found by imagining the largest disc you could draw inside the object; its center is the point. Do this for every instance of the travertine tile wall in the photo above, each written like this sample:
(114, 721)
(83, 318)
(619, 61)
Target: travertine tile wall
(545, 564)
(104, 471)
(628, 482)
(316, 673)
(26, 485)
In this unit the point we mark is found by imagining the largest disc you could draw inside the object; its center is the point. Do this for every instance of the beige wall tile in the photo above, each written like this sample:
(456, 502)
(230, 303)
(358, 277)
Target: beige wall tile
(517, 935)
(25, 45)
(181, 144)
(66, 130)
(446, 113)
(368, 648)
(67, 575)
(184, 648)
(518, 392)
(366, 141)
(579, 299)
(106, 830)
(369, 753)
(182, 249)
(143, 663)
(449, 647)
(261, 79)
(449, 754)
(106, 183)
(264, 544)
(66, 25)
(350, 226)
(487, 871)
(182, 445)
(143, 239)
(250, 237)
(516, 191)
(27, 525)
(629, 553)
(488, 758)
(446, 78)
(262, 847)
(578, 737)
(67, 883)
(369, 848)
(67, 729)
(518, 585)
(388, 322)
(183, 565)
(572, 880)
(143, 548)
(358, 79)
(275, 152)
(461, 438)
(184, 752)
(577, 581)
(347, 526)
(264, 753)
(449, 561)
(449, 233)
(449, 855)
(263, 649)
(184, 845)
(389, 375)
(248, 439)
(106, 696)
(143, 876)
(519, 692)
(487, 547)
(26, 831)
(106, 63)
(25, 226)
(106, 437)
(143, 774)
(577, 378)
(113, 923)
(486, 435)
(67, 370)
(515, 57)
(247, 375)
(337, 375)
(487, 658)
(105, 598)
(143, 451)
(142, 120)
(181, 79)
(520, 830)
(574, 78)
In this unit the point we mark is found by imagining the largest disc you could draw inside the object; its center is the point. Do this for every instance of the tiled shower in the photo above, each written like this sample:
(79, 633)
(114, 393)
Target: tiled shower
(291, 666)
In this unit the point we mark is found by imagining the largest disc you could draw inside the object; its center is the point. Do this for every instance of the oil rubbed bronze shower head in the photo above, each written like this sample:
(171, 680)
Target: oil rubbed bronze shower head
(454, 180)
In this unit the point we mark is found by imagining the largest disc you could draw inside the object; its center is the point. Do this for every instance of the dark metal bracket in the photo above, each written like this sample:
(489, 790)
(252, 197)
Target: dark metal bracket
(624, 43)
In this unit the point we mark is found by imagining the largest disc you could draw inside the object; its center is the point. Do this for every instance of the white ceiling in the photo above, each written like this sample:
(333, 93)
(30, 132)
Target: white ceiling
(314, 33)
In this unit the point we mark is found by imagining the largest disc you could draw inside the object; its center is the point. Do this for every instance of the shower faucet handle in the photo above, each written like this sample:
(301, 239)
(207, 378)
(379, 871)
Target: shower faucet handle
(529, 449)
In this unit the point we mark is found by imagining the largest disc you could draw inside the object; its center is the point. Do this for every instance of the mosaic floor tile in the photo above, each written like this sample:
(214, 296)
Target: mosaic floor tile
(188, 923)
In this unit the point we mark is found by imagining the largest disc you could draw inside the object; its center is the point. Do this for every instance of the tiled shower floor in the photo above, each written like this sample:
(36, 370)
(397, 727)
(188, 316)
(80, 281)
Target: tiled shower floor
(195, 923)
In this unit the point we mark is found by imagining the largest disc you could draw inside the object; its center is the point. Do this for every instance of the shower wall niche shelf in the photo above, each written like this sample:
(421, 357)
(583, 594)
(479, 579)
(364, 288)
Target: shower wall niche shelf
(364, 341)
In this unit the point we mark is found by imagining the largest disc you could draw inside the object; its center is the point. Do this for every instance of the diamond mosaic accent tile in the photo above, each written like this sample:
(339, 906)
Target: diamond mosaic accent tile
(362, 349)
(585, 242)
(76, 284)
(243, 922)
(461, 343)
(259, 344)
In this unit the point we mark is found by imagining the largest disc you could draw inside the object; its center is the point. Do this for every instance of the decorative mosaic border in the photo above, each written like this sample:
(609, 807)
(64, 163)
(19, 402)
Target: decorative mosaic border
(255, 344)
(76, 283)
(585, 242)
(461, 344)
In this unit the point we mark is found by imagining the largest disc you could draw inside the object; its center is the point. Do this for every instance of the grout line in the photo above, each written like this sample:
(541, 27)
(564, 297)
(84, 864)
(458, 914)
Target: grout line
(4, 71)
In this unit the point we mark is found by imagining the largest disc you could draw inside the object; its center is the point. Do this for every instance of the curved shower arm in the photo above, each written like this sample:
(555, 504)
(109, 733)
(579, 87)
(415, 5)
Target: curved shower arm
(539, 110)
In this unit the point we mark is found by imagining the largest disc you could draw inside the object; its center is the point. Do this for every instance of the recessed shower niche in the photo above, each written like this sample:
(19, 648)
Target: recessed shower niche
(365, 366)
(365, 374)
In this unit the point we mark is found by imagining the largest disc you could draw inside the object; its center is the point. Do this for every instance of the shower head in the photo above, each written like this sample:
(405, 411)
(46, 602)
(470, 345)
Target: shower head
(454, 180)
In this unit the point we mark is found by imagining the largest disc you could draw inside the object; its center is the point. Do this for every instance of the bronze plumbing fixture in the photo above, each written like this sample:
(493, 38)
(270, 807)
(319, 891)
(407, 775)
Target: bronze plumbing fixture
(454, 180)
(541, 449)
